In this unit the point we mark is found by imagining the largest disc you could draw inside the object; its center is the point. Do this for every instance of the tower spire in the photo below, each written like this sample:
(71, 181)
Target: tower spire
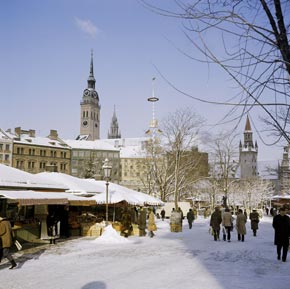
(114, 129)
(248, 125)
(91, 79)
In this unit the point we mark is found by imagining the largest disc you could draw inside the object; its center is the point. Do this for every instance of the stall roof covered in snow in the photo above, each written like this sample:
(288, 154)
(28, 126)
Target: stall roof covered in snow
(26, 198)
(117, 194)
(74, 184)
(15, 178)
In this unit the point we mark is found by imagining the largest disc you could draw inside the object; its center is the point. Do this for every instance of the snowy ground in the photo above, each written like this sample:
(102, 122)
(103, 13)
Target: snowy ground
(190, 259)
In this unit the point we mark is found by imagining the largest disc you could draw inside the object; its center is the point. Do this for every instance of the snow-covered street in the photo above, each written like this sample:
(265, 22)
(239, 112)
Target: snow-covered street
(191, 259)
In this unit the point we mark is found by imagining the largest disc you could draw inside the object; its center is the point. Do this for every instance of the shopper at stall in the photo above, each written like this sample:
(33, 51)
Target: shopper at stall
(151, 223)
(52, 227)
(142, 216)
(7, 241)
(126, 223)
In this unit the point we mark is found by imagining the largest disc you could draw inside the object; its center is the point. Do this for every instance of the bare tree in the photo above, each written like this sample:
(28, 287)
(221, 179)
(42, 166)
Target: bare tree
(256, 51)
(180, 136)
(173, 160)
(224, 164)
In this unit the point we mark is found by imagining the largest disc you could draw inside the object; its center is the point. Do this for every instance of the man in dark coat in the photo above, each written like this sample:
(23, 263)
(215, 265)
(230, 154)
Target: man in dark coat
(254, 217)
(281, 225)
(126, 223)
(162, 214)
(190, 218)
(215, 223)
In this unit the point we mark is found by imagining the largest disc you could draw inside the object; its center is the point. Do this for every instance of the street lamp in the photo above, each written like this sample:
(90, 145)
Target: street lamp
(107, 174)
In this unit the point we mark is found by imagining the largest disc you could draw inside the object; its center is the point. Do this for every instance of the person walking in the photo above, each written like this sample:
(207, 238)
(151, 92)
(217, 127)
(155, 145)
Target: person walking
(215, 223)
(190, 218)
(151, 224)
(227, 221)
(7, 240)
(241, 225)
(254, 217)
(162, 214)
(281, 225)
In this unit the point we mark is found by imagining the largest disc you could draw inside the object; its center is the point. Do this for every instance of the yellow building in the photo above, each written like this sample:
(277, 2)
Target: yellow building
(38, 154)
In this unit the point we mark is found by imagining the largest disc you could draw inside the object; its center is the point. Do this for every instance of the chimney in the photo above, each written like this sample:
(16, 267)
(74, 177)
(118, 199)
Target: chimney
(17, 131)
(32, 132)
(53, 134)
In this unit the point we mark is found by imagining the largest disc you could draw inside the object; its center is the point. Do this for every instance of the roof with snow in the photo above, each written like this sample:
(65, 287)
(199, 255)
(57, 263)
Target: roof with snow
(12, 177)
(91, 145)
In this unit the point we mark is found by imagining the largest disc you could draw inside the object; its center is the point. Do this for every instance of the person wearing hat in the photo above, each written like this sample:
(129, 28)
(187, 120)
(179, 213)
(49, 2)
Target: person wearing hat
(281, 225)
(254, 217)
(7, 242)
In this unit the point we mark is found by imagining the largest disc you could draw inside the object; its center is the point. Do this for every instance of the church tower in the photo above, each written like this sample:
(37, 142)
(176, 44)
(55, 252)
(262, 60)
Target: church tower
(248, 154)
(114, 129)
(90, 109)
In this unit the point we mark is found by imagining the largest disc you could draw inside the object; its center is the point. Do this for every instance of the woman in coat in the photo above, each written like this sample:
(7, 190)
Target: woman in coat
(241, 225)
(227, 221)
(151, 223)
(7, 242)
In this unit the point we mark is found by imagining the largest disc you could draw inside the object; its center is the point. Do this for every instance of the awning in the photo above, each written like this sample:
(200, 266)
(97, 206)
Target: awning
(74, 200)
(27, 198)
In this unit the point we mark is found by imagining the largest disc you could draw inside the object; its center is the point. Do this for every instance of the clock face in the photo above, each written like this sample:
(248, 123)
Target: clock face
(85, 123)
(86, 92)
(94, 94)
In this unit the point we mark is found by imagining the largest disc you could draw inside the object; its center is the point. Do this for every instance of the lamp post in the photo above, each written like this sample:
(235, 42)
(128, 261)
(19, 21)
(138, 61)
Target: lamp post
(107, 174)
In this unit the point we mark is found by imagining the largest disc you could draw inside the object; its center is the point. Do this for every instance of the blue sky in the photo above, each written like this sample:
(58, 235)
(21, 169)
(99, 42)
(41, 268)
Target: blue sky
(45, 56)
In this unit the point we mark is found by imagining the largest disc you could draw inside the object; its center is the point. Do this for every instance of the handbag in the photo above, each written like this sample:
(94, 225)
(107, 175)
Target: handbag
(18, 245)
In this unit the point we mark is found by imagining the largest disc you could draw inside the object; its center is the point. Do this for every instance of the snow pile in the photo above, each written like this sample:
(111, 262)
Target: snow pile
(111, 236)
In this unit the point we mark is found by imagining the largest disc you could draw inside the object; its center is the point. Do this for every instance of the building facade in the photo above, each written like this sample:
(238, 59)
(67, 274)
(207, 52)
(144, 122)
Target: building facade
(38, 154)
(284, 173)
(248, 154)
(6, 145)
(87, 159)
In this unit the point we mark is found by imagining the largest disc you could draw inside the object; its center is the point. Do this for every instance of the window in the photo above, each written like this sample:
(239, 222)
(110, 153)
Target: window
(1, 147)
(7, 147)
